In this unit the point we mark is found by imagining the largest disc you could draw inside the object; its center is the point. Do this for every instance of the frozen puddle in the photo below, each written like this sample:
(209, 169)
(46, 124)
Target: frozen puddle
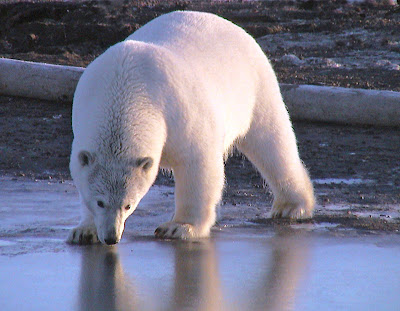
(314, 227)
(337, 181)
(227, 272)
(238, 268)
(5, 243)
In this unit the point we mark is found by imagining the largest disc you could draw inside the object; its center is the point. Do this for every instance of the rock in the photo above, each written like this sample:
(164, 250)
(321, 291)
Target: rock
(386, 65)
(291, 59)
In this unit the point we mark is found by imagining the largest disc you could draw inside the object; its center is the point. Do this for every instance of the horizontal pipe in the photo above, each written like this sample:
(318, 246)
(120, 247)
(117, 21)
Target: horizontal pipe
(342, 105)
(38, 80)
(304, 102)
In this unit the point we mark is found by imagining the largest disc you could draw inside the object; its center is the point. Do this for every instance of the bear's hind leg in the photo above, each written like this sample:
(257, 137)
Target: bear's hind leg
(198, 189)
(272, 148)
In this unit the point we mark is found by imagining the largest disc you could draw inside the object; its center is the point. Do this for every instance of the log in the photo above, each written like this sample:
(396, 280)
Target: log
(38, 80)
(304, 102)
(342, 105)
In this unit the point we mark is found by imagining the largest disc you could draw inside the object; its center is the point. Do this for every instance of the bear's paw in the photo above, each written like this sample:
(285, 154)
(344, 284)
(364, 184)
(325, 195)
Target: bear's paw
(83, 235)
(291, 211)
(173, 230)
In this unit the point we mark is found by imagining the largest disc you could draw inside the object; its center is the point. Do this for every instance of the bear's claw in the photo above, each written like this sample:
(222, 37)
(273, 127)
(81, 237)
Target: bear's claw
(292, 212)
(83, 236)
(173, 230)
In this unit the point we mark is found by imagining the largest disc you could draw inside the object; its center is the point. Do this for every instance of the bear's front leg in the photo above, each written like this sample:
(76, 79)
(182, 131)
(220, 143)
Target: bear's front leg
(198, 189)
(85, 233)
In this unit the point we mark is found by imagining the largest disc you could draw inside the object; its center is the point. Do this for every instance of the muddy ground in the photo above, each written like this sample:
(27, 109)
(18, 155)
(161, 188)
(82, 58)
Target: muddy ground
(308, 42)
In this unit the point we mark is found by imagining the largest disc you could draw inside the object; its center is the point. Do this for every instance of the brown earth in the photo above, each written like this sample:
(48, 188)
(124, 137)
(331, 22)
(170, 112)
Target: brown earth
(36, 135)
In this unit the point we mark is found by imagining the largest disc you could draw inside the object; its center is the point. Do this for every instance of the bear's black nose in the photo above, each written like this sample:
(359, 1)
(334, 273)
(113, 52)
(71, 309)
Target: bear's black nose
(110, 241)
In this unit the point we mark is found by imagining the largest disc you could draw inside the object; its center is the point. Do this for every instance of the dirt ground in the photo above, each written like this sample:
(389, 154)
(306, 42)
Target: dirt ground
(309, 42)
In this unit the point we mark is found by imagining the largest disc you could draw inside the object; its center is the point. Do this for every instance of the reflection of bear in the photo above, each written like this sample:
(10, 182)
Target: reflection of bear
(103, 282)
(180, 93)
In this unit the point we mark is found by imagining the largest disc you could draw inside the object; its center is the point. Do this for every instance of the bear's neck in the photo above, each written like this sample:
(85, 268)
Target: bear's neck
(131, 132)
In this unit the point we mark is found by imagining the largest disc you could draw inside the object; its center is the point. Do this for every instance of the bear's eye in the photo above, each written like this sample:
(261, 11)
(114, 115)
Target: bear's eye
(100, 204)
(128, 207)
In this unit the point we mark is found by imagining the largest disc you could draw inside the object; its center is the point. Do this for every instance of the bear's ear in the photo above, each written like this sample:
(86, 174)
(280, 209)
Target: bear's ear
(144, 163)
(85, 158)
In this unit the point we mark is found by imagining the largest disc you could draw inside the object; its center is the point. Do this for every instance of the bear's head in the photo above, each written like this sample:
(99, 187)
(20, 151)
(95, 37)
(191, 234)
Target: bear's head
(111, 189)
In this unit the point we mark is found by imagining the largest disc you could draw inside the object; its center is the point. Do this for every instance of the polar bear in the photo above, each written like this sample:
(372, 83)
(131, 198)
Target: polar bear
(179, 93)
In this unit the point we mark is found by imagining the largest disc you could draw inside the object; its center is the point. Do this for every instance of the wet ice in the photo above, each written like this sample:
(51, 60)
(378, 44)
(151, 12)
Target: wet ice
(241, 267)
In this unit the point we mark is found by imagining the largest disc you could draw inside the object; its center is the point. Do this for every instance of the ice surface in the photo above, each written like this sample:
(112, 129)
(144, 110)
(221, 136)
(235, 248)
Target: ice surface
(346, 181)
(238, 268)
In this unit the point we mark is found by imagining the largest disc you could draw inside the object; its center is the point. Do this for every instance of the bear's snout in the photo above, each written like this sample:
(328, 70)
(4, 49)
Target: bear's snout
(110, 227)
(111, 240)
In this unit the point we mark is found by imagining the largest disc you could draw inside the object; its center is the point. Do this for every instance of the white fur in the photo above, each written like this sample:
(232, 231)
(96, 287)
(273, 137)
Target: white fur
(182, 90)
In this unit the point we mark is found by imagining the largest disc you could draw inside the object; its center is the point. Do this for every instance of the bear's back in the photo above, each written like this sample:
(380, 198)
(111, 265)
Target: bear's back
(221, 57)
(204, 62)
(198, 35)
